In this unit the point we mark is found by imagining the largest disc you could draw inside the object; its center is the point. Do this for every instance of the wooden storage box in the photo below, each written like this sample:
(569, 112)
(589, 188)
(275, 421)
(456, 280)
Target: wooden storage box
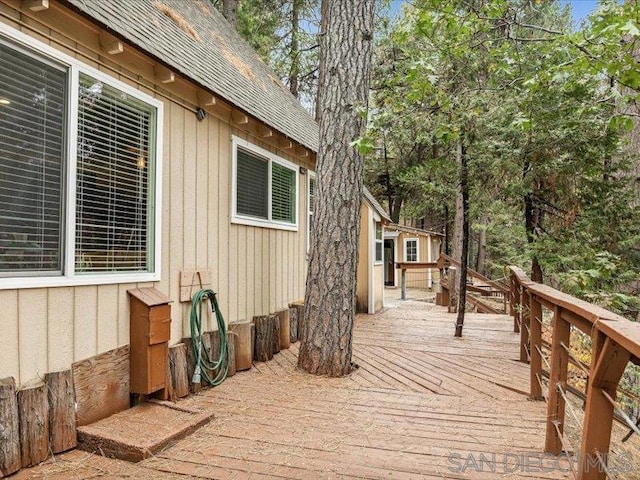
(150, 331)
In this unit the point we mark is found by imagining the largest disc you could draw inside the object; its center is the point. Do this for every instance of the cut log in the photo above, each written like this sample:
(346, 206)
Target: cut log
(285, 329)
(33, 414)
(178, 367)
(62, 411)
(275, 325)
(10, 461)
(263, 350)
(191, 362)
(293, 325)
(214, 340)
(243, 333)
(231, 354)
(101, 385)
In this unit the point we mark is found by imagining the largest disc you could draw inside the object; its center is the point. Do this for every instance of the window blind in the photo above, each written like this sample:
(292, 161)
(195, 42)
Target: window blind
(113, 193)
(32, 149)
(283, 193)
(252, 196)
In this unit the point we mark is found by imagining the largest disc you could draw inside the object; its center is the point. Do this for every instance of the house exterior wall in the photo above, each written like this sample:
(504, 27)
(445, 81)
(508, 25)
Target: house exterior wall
(378, 275)
(254, 270)
(362, 282)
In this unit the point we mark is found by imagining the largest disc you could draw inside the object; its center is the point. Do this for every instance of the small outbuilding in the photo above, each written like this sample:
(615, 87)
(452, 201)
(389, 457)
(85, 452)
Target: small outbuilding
(404, 244)
(370, 286)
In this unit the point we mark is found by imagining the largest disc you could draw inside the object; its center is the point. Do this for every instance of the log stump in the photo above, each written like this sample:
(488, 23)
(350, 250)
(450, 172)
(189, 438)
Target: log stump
(33, 413)
(263, 350)
(293, 325)
(10, 460)
(231, 354)
(62, 411)
(285, 329)
(275, 325)
(178, 368)
(243, 333)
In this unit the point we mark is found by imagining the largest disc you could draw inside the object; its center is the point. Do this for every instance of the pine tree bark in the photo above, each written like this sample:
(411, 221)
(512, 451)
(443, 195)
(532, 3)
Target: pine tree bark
(345, 61)
(481, 259)
(294, 53)
(456, 247)
(230, 12)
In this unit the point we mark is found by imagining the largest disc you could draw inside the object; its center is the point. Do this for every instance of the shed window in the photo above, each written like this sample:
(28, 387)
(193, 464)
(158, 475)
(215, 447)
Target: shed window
(379, 242)
(266, 188)
(411, 250)
(78, 172)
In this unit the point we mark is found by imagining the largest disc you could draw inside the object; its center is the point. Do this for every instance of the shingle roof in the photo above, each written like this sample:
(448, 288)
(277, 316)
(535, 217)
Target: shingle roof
(375, 204)
(193, 39)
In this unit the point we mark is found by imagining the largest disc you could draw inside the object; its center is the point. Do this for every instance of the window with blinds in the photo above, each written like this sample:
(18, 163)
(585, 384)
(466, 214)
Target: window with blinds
(252, 194)
(113, 173)
(311, 198)
(266, 188)
(32, 163)
(283, 193)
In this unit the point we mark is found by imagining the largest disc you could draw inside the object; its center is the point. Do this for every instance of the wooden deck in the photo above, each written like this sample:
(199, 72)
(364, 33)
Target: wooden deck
(422, 405)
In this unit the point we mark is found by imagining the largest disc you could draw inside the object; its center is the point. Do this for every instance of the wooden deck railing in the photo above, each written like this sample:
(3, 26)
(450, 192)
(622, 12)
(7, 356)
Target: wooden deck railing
(480, 285)
(615, 341)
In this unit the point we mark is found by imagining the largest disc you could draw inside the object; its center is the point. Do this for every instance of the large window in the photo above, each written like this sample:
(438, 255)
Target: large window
(32, 148)
(265, 188)
(77, 172)
(411, 250)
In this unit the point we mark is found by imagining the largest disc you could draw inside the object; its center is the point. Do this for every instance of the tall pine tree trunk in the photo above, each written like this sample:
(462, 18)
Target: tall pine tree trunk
(345, 60)
(464, 256)
(481, 259)
(294, 53)
(458, 227)
(230, 12)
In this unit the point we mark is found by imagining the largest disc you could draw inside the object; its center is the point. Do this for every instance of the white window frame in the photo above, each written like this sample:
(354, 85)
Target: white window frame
(69, 277)
(238, 218)
(310, 211)
(377, 241)
(406, 241)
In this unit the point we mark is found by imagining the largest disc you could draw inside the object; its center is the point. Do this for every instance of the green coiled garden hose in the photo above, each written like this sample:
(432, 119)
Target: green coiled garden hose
(212, 372)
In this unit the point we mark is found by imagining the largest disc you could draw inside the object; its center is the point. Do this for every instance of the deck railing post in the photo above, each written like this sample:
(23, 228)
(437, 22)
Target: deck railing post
(608, 362)
(403, 291)
(523, 315)
(535, 348)
(557, 380)
(515, 300)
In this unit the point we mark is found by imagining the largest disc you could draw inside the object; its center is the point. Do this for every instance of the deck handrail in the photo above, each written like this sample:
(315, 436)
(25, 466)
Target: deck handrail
(615, 342)
(442, 263)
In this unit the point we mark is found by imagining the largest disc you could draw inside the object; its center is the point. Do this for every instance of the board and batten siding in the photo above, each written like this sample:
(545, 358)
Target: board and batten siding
(254, 270)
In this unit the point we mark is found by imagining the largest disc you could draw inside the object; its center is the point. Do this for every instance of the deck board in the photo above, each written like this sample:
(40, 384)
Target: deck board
(419, 397)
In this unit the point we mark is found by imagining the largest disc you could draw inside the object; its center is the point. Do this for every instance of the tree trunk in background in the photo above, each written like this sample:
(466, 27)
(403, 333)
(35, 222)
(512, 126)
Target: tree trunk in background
(447, 230)
(345, 61)
(481, 259)
(294, 70)
(462, 282)
(456, 243)
(230, 12)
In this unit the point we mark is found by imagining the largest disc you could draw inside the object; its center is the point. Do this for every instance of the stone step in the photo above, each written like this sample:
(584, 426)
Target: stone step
(141, 431)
